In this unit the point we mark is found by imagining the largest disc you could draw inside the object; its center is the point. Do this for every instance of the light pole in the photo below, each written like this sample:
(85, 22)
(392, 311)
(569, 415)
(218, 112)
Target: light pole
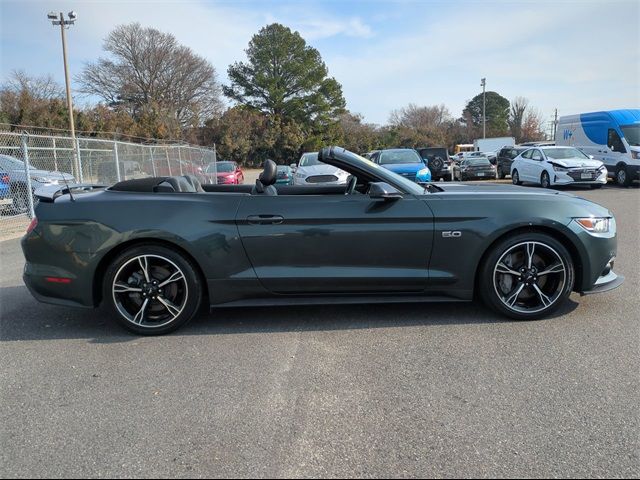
(483, 84)
(60, 20)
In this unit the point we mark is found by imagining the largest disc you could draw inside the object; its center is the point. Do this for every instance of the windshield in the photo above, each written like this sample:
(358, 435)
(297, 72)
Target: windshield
(386, 175)
(632, 134)
(10, 163)
(563, 153)
(224, 167)
(309, 160)
(391, 157)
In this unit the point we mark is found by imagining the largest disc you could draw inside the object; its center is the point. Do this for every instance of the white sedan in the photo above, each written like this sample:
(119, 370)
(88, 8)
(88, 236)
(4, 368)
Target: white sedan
(550, 166)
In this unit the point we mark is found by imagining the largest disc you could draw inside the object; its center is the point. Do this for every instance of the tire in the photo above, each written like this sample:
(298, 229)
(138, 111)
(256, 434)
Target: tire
(545, 181)
(510, 291)
(146, 308)
(436, 164)
(622, 176)
(20, 199)
(515, 178)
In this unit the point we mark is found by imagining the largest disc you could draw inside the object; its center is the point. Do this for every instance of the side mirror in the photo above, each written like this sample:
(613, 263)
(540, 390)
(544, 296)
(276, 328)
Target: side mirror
(591, 157)
(383, 191)
(293, 166)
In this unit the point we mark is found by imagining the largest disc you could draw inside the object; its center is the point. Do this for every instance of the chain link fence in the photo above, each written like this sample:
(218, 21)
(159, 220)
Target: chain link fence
(30, 160)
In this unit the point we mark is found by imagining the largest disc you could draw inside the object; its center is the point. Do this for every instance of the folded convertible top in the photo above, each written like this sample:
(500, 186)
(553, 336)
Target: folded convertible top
(49, 193)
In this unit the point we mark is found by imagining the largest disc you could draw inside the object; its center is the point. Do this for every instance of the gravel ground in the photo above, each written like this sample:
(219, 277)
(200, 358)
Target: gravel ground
(444, 390)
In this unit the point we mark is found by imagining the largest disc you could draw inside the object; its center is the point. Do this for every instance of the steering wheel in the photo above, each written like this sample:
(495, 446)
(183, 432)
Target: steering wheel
(351, 185)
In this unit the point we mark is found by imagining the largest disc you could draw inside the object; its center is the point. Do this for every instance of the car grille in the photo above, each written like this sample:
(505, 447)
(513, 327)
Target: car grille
(322, 178)
(576, 174)
(409, 176)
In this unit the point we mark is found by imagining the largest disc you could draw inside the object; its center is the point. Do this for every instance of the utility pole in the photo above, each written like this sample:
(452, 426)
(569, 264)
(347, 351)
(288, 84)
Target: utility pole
(555, 125)
(59, 20)
(483, 84)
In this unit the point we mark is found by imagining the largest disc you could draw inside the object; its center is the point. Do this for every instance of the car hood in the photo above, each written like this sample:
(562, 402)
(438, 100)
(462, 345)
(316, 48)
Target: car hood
(583, 205)
(405, 167)
(50, 175)
(324, 169)
(576, 162)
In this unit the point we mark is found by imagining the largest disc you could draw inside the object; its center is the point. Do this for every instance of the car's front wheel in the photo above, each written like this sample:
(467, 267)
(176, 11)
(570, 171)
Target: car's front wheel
(152, 290)
(545, 182)
(526, 277)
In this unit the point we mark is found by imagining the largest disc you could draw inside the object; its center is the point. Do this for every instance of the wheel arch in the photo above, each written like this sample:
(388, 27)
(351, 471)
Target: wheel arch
(565, 240)
(105, 261)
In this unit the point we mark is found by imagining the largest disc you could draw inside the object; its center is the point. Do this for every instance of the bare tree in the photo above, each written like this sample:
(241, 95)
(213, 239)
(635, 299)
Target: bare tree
(532, 126)
(517, 113)
(38, 88)
(149, 70)
(415, 117)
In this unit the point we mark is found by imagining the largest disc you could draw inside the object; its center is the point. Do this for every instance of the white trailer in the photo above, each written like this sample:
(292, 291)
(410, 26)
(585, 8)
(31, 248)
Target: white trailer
(493, 144)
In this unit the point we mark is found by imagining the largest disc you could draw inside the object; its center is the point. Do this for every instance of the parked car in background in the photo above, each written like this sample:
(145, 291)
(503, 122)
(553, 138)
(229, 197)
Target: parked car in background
(284, 175)
(490, 155)
(403, 161)
(438, 161)
(550, 166)
(5, 190)
(310, 171)
(613, 137)
(542, 143)
(15, 169)
(474, 168)
(224, 173)
(505, 159)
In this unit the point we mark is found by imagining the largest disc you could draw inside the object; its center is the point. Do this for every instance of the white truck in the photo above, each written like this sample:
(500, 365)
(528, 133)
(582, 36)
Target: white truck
(613, 137)
(493, 144)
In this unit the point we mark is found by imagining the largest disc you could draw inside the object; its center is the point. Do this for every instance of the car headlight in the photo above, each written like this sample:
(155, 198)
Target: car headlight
(425, 172)
(594, 224)
(558, 168)
(43, 180)
(635, 155)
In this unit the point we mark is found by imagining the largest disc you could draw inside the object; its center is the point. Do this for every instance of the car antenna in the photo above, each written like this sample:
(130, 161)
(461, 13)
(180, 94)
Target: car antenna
(68, 187)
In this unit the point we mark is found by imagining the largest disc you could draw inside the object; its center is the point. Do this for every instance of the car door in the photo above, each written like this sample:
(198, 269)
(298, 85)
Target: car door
(336, 243)
(535, 166)
(612, 153)
(523, 165)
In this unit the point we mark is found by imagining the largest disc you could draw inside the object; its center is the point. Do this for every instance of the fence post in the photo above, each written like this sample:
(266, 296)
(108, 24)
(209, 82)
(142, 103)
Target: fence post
(25, 158)
(180, 160)
(115, 156)
(79, 160)
(55, 154)
(153, 164)
(166, 154)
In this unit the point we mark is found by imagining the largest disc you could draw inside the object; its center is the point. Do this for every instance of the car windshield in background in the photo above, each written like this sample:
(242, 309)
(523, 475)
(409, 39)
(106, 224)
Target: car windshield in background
(399, 156)
(632, 134)
(478, 161)
(309, 160)
(225, 167)
(563, 153)
(383, 173)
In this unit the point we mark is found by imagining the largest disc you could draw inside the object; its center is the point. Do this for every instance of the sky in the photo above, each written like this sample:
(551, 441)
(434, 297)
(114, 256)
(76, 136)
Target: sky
(574, 56)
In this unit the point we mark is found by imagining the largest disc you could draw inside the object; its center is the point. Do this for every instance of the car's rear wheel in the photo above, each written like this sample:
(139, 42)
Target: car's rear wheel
(622, 176)
(515, 178)
(527, 277)
(545, 181)
(152, 290)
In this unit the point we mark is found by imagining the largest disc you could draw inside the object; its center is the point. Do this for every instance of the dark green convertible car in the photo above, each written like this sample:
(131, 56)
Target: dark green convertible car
(155, 249)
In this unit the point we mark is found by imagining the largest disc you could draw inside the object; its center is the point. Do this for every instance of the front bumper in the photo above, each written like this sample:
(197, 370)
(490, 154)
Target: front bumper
(574, 178)
(605, 283)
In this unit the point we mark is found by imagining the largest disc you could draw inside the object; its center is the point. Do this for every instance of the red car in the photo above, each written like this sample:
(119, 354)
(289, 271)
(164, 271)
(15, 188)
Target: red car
(224, 173)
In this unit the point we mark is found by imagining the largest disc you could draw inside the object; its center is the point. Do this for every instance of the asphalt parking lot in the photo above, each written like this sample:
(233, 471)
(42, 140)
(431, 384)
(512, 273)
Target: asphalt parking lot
(444, 390)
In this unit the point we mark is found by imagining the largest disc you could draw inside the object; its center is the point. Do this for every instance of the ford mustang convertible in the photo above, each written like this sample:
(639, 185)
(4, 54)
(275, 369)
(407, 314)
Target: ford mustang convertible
(154, 250)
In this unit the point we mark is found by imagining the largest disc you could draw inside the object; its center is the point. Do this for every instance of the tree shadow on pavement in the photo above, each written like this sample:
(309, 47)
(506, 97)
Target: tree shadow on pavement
(23, 318)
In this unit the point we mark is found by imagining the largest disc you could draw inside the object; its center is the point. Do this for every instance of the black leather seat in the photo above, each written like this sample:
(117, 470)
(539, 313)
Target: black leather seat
(195, 183)
(176, 184)
(266, 180)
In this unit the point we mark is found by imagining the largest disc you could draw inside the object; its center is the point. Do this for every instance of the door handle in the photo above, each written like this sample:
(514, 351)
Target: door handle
(265, 219)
